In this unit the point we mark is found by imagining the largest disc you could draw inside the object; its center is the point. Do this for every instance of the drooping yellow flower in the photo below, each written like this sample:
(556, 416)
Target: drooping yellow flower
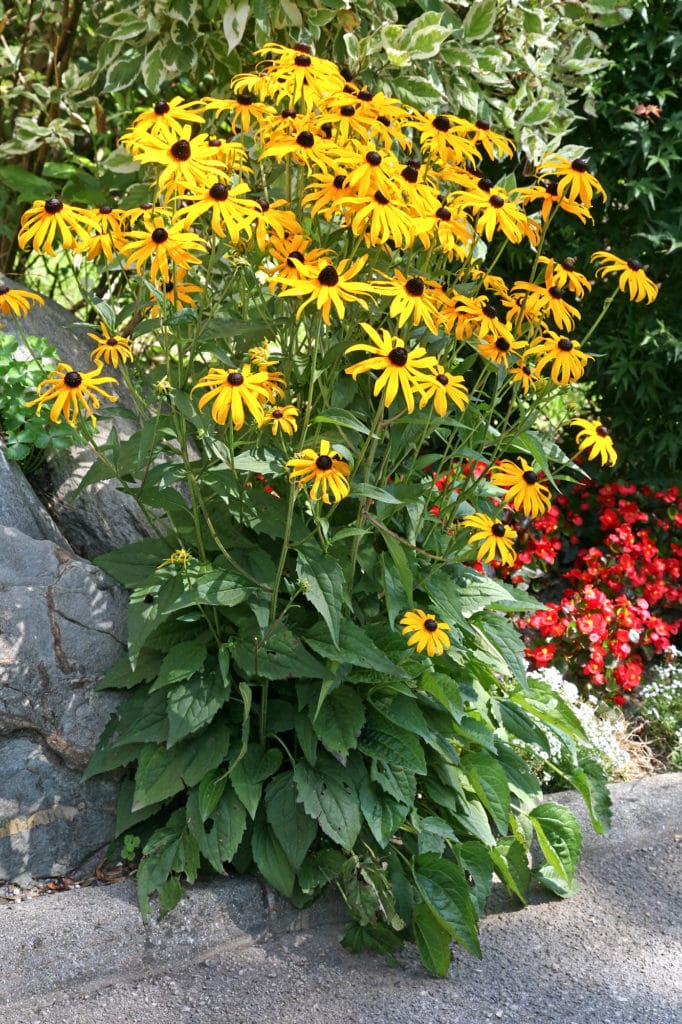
(400, 368)
(594, 439)
(542, 299)
(494, 144)
(444, 136)
(412, 299)
(567, 359)
(564, 275)
(17, 301)
(108, 230)
(493, 210)
(500, 349)
(522, 483)
(177, 292)
(165, 118)
(575, 181)
(72, 392)
(325, 468)
(328, 286)
(180, 556)
(282, 418)
(294, 74)
(550, 195)
(497, 538)
(380, 220)
(441, 387)
(41, 223)
(524, 374)
(231, 214)
(427, 633)
(632, 278)
(110, 348)
(232, 390)
(166, 244)
(187, 163)
(243, 108)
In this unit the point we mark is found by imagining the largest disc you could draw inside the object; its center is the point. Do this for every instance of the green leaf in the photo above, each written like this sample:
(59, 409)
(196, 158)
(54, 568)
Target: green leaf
(375, 494)
(339, 721)
(502, 637)
(538, 112)
(125, 816)
(480, 19)
(559, 836)
(446, 691)
(356, 647)
(320, 868)
(158, 775)
(475, 858)
(511, 863)
(471, 817)
(193, 704)
(399, 783)
(270, 858)
(556, 883)
(443, 886)
(211, 788)
(385, 741)
(329, 797)
(170, 894)
(433, 940)
(404, 567)
(324, 585)
(133, 564)
(490, 785)
(249, 774)
(339, 417)
(294, 830)
(219, 842)
(383, 815)
(182, 661)
(218, 588)
(521, 726)
(590, 781)
(543, 703)
(157, 861)
(203, 751)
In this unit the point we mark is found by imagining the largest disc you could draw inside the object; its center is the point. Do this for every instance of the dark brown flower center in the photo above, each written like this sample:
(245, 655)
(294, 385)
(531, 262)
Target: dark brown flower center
(530, 477)
(4, 289)
(323, 462)
(347, 110)
(569, 263)
(490, 311)
(277, 414)
(215, 143)
(381, 199)
(398, 356)
(634, 265)
(555, 292)
(168, 287)
(552, 189)
(365, 95)
(181, 150)
(245, 99)
(579, 165)
(235, 379)
(288, 112)
(497, 201)
(410, 174)
(441, 123)
(601, 430)
(146, 206)
(328, 277)
(483, 125)
(264, 205)
(305, 139)
(159, 235)
(105, 209)
(73, 379)
(303, 60)
(219, 191)
(430, 625)
(485, 183)
(502, 345)
(414, 286)
(386, 121)
(295, 257)
(565, 344)
(373, 158)
(54, 205)
(443, 379)
(339, 181)
(161, 107)
(112, 341)
(498, 530)
(442, 213)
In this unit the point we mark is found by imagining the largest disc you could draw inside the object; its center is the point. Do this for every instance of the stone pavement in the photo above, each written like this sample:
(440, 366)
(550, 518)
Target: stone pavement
(231, 953)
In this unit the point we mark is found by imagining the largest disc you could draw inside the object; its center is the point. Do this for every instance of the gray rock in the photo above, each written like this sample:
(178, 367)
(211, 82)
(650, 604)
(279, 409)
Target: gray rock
(62, 625)
(102, 517)
(20, 508)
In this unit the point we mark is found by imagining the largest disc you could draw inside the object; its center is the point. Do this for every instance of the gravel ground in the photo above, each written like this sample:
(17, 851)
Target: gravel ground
(231, 953)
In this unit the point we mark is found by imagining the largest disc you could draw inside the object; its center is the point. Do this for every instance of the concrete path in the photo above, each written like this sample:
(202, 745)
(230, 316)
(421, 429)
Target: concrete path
(229, 953)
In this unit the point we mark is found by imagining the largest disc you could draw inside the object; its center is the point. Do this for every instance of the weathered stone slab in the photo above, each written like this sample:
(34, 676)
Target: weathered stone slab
(20, 508)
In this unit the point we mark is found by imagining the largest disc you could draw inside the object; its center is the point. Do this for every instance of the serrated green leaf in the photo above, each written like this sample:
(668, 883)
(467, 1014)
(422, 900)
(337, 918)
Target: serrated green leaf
(293, 828)
(590, 781)
(182, 662)
(193, 704)
(339, 721)
(489, 782)
(511, 863)
(324, 585)
(270, 858)
(559, 837)
(446, 691)
(329, 797)
(249, 774)
(158, 775)
(386, 741)
(383, 815)
(444, 887)
(432, 939)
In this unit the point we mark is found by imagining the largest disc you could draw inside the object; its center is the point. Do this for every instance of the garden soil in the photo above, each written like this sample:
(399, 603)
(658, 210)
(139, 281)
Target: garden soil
(231, 953)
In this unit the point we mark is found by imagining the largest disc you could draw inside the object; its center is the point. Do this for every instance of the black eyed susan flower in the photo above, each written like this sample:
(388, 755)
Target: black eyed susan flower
(325, 468)
(380, 219)
(550, 195)
(282, 418)
(565, 275)
(494, 144)
(524, 490)
(72, 392)
(575, 181)
(177, 292)
(594, 439)
(566, 358)
(273, 219)
(110, 348)
(17, 301)
(497, 538)
(500, 349)
(427, 633)
(295, 74)
(412, 298)
(309, 147)
(231, 214)
(541, 299)
(180, 556)
(41, 223)
(290, 254)
(632, 278)
(328, 286)
(444, 136)
(525, 375)
(493, 211)
(400, 367)
(243, 107)
(166, 117)
(370, 171)
(166, 244)
(107, 237)
(231, 391)
(324, 193)
(187, 163)
(441, 387)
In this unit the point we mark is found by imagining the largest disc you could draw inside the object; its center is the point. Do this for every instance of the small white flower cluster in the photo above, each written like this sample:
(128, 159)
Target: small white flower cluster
(663, 690)
(606, 730)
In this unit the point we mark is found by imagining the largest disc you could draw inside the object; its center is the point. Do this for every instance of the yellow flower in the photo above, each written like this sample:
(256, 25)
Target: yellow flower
(551, 196)
(165, 117)
(326, 470)
(163, 244)
(380, 220)
(443, 136)
(244, 108)
(575, 182)
(231, 390)
(594, 439)
(17, 301)
(493, 210)
(41, 222)
(632, 277)
(179, 557)
(188, 163)
(177, 292)
(282, 418)
(564, 275)
(411, 299)
(499, 349)
(497, 538)
(494, 144)
(108, 232)
(523, 374)
(567, 359)
(427, 633)
(328, 286)
(294, 74)
(71, 392)
(230, 213)
(441, 386)
(548, 298)
(400, 367)
(524, 490)
(110, 347)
